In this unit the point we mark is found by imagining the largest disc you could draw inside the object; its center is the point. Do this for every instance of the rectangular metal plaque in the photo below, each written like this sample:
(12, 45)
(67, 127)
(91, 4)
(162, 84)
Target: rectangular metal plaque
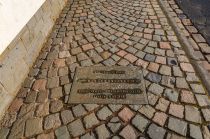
(105, 85)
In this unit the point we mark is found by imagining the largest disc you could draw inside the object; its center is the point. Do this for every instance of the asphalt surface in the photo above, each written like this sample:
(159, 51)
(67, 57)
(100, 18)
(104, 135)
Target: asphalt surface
(199, 12)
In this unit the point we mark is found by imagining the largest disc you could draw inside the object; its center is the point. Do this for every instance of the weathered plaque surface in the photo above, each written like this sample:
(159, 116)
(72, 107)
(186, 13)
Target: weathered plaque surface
(104, 85)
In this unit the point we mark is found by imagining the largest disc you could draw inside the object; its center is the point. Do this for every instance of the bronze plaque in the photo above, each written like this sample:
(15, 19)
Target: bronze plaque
(105, 85)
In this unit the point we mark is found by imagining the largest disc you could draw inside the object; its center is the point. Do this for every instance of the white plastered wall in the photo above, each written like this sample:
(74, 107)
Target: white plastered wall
(14, 15)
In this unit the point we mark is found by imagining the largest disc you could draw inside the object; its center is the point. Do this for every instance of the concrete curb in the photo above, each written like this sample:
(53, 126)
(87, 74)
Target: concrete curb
(202, 73)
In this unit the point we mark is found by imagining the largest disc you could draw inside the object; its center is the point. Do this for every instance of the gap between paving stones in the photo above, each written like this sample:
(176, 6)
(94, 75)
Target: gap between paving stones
(203, 74)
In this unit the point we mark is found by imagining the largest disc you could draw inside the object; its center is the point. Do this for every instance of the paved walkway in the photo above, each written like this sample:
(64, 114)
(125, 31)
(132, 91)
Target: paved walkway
(199, 12)
(197, 45)
(110, 32)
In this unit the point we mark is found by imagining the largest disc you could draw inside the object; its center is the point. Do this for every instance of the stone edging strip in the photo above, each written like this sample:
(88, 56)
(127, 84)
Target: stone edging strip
(203, 74)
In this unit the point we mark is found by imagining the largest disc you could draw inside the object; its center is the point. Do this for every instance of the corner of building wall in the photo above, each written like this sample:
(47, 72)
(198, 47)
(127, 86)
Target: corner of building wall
(22, 52)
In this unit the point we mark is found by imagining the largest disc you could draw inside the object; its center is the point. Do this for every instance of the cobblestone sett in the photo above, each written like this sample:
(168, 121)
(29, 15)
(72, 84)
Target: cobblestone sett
(33, 127)
(140, 123)
(4, 132)
(67, 116)
(128, 132)
(90, 120)
(104, 113)
(195, 117)
(195, 132)
(76, 128)
(125, 114)
(178, 126)
(52, 121)
(114, 124)
(79, 110)
(62, 133)
(160, 118)
(176, 110)
(102, 132)
(155, 131)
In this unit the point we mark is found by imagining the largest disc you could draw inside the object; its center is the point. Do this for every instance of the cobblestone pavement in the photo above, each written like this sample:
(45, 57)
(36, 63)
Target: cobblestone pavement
(110, 32)
(199, 12)
(199, 46)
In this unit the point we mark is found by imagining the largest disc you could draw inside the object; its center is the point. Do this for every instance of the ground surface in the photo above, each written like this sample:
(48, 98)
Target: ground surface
(192, 19)
(199, 12)
(106, 33)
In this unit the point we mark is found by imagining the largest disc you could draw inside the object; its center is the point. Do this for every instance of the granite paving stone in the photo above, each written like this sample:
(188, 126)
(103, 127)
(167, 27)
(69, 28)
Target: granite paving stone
(153, 67)
(56, 92)
(178, 126)
(42, 109)
(147, 110)
(181, 83)
(66, 116)
(128, 132)
(90, 107)
(195, 117)
(195, 132)
(176, 110)
(4, 132)
(196, 88)
(39, 84)
(88, 136)
(115, 137)
(104, 113)
(114, 124)
(152, 99)
(165, 70)
(62, 133)
(156, 89)
(125, 114)
(115, 107)
(203, 100)
(56, 106)
(206, 114)
(162, 104)
(17, 130)
(160, 118)
(52, 121)
(192, 77)
(177, 72)
(79, 110)
(31, 97)
(140, 122)
(90, 120)
(27, 110)
(53, 82)
(155, 131)
(172, 95)
(76, 128)
(153, 77)
(102, 132)
(46, 136)
(174, 136)
(187, 97)
(9, 119)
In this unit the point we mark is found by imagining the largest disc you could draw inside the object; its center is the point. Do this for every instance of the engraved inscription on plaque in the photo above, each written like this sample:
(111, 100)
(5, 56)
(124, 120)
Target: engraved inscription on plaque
(104, 85)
